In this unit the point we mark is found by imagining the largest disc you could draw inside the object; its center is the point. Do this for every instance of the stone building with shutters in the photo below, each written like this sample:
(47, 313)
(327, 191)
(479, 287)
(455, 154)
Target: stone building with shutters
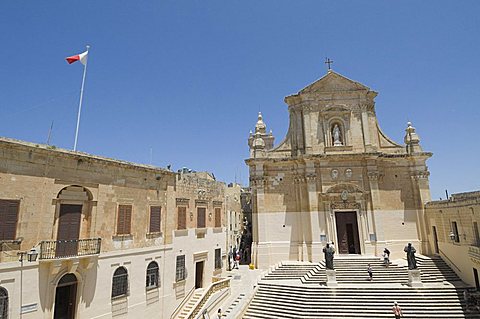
(335, 177)
(453, 230)
(113, 238)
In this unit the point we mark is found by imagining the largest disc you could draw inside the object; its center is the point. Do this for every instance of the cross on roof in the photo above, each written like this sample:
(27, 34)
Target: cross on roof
(328, 62)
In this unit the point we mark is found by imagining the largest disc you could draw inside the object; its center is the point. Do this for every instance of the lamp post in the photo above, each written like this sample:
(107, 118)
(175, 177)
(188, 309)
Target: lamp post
(32, 255)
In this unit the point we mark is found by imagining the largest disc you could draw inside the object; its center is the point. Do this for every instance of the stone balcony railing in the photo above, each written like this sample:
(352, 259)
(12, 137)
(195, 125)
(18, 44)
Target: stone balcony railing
(57, 249)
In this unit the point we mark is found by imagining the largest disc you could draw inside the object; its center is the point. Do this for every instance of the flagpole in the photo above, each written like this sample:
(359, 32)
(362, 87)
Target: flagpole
(81, 98)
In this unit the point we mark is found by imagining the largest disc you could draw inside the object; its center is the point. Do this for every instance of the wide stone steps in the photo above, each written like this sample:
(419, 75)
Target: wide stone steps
(285, 301)
(354, 270)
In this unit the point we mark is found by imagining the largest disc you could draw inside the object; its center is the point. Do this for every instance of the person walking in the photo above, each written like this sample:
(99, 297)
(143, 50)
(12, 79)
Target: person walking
(219, 313)
(370, 272)
(397, 311)
(386, 257)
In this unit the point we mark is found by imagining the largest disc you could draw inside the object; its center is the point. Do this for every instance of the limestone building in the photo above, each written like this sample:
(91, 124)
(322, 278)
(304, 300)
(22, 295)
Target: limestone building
(335, 177)
(113, 239)
(453, 229)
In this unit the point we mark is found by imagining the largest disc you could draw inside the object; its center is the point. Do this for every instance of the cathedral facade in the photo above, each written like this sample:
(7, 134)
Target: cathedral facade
(336, 177)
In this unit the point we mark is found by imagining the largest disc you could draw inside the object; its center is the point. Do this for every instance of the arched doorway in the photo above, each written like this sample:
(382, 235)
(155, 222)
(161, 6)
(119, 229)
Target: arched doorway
(66, 297)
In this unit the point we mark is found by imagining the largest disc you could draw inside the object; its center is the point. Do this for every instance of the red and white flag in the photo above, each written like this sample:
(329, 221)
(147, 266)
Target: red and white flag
(82, 57)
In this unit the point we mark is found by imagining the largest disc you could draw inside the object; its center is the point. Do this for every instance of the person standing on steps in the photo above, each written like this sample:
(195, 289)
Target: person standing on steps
(370, 272)
(386, 257)
(397, 311)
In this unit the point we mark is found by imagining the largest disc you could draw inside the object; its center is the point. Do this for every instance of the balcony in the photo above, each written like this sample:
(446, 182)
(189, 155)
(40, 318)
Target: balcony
(57, 249)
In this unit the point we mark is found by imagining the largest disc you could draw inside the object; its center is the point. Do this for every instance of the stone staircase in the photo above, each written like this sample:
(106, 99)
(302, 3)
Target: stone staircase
(298, 290)
(306, 301)
(354, 270)
(190, 304)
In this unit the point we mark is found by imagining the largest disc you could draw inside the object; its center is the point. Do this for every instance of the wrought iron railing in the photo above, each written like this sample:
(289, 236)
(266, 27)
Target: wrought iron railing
(55, 249)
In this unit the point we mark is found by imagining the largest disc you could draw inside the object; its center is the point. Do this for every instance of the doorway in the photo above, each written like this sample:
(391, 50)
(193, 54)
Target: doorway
(199, 274)
(66, 297)
(68, 230)
(348, 241)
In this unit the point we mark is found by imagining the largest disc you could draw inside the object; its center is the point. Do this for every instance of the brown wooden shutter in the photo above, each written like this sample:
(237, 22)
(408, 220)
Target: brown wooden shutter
(218, 217)
(8, 219)
(201, 217)
(182, 218)
(124, 221)
(155, 218)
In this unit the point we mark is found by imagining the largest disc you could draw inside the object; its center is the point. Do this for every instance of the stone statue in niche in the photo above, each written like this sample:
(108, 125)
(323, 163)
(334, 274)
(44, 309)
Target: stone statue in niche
(337, 135)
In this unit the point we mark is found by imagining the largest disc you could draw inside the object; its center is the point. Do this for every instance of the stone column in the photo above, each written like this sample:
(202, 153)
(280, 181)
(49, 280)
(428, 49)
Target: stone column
(421, 195)
(375, 224)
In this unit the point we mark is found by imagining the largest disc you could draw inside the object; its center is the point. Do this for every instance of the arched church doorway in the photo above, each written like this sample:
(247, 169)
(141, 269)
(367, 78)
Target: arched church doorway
(66, 297)
(348, 240)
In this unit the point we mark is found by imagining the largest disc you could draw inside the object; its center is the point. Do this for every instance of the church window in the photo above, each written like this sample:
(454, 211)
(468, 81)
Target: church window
(120, 282)
(201, 212)
(182, 218)
(181, 273)
(124, 220)
(155, 219)
(152, 275)
(8, 219)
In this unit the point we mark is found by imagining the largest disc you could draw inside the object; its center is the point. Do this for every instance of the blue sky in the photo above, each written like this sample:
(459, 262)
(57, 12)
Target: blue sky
(181, 82)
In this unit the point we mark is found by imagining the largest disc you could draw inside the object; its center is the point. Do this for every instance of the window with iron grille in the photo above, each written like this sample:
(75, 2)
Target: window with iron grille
(8, 219)
(218, 217)
(218, 258)
(124, 220)
(182, 218)
(120, 282)
(201, 217)
(155, 219)
(152, 275)
(3, 303)
(181, 274)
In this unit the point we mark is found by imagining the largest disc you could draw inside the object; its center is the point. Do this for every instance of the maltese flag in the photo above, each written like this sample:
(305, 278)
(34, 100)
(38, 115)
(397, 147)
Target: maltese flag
(82, 57)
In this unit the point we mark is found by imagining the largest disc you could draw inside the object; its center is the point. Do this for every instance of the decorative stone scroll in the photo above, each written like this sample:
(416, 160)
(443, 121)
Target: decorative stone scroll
(420, 175)
(345, 205)
(182, 201)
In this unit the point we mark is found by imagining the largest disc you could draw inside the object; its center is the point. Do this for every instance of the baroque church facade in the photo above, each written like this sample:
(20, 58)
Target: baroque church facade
(336, 177)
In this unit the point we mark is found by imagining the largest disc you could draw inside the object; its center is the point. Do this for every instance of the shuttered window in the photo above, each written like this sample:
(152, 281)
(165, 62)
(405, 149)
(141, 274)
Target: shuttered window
(124, 221)
(201, 217)
(218, 217)
(182, 218)
(8, 219)
(155, 219)
(181, 274)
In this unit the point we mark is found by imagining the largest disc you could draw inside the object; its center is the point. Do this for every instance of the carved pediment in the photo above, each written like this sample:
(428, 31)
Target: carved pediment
(339, 188)
(334, 82)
